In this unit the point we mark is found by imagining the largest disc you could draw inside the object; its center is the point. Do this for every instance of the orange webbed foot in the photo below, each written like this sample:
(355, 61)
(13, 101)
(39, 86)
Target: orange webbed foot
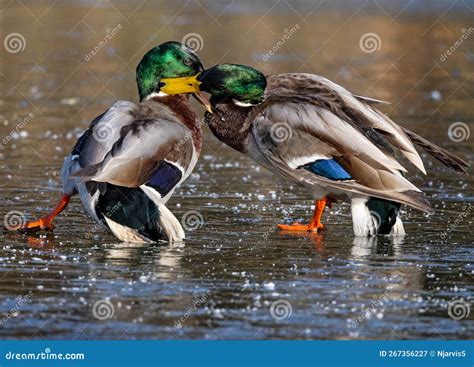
(44, 223)
(301, 227)
(315, 224)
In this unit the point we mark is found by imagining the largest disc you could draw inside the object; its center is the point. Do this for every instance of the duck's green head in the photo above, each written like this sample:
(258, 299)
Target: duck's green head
(168, 60)
(239, 83)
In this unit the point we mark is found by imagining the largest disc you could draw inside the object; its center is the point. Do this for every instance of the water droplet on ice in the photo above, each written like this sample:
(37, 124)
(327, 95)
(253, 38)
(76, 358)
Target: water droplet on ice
(269, 286)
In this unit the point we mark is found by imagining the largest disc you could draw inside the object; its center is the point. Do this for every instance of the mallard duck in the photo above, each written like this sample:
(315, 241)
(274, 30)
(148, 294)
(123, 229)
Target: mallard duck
(129, 161)
(317, 133)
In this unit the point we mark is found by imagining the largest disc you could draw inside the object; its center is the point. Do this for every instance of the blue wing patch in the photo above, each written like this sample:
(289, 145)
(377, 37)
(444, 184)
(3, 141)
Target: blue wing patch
(328, 168)
(165, 178)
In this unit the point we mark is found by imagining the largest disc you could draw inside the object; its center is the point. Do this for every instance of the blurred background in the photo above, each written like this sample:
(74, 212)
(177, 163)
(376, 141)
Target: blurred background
(63, 63)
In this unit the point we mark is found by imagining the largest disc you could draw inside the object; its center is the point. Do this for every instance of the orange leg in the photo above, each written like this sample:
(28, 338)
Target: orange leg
(46, 222)
(315, 224)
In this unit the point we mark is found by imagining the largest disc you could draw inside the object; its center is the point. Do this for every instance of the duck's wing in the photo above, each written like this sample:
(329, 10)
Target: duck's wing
(369, 100)
(154, 151)
(302, 138)
(102, 133)
(447, 158)
(354, 110)
(96, 141)
(361, 112)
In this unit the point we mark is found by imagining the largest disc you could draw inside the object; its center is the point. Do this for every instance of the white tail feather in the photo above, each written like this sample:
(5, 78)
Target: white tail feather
(366, 223)
(124, 233)
(363, 222)
(397, 229)
(171, 226)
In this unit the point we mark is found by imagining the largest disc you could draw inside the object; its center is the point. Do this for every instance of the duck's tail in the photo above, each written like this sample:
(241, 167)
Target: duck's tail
(372, 216)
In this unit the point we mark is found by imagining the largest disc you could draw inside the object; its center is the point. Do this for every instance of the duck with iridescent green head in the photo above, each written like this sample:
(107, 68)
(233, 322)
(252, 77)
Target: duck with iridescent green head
(129, 161)
(314, 132)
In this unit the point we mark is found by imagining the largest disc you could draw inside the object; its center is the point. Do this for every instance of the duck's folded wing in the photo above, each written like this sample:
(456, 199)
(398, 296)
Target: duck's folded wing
(356, 110)
(361, 113)
(310, 144)
(96, 141)
(102, 133)
(144, 148)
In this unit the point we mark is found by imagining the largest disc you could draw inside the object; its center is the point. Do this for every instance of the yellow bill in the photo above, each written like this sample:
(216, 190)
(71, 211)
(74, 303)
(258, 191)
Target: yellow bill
(187, 84)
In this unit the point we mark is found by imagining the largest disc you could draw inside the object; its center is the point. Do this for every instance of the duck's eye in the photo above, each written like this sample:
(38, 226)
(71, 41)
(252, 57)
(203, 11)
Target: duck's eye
(188, 62)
